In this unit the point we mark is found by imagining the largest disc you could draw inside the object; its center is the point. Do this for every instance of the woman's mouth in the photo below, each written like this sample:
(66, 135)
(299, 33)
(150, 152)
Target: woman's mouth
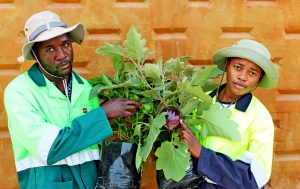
(239, 86)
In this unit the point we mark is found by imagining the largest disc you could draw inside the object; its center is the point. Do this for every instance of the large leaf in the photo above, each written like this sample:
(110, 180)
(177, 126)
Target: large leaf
(188, 71)
(153, 93)
(97, 89)
(202, 76)
(178, 67)
(189, 106)
(135, 45)
(153, 73)
(144, 151)
(195, 91)
(216, 72)
(218, 123)
(185, 58)
(113, 51)
(169, 67)
(173, 158)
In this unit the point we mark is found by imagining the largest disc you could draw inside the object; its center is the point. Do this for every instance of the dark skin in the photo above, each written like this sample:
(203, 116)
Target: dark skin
(242, 77)
(56, 57)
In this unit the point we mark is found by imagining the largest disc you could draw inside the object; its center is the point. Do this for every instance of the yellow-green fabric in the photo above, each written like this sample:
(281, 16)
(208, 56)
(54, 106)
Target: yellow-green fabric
(257, 134)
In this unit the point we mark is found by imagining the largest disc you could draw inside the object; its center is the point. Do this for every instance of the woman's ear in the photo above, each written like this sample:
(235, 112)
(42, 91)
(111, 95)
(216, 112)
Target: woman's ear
(261, 75)
(226, 65)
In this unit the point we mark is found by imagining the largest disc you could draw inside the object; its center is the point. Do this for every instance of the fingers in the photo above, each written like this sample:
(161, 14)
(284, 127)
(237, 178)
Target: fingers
(134, 103)
(183, 124)
(127, 114)
(130, 103)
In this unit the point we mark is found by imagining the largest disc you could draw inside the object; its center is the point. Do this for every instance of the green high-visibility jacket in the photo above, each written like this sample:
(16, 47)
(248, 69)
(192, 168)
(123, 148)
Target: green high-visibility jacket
(54, 140)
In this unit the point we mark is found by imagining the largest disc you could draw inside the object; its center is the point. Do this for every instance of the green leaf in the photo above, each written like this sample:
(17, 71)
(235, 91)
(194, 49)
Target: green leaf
(139, 157)
(130, 68)
(189, 106)
(188, 71)
(119, 70)
(210, 85)
(173, 158)
(195, 91)
(178, 67)
(169, 67)
(114, 51)
(97, 89)
(218, 123)
(135, 45)
(145, 150)
(216, 72)
(202, 76)
(153, 72)
(137, 130)
(184, 58)
(94, 92)
(153, 93)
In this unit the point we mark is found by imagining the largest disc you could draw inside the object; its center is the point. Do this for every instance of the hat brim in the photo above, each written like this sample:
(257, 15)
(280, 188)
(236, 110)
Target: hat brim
(76, 33)
(270, 78)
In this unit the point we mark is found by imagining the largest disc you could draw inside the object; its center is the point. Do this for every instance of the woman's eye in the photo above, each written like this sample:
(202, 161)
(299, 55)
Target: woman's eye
(253, 74)
(237, 67)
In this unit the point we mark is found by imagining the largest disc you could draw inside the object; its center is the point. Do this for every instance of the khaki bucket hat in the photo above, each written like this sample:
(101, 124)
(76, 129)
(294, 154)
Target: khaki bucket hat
(253, 51)
(46, 25)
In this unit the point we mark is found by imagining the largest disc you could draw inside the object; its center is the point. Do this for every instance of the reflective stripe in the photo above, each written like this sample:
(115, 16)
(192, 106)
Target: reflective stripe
(260, 176)
(75, 159)
(209, 181)
(46, 142)
(45, 27)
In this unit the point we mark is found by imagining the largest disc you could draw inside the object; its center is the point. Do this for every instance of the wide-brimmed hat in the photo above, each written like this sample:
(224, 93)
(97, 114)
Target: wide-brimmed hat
(46, 25)
(253, 51)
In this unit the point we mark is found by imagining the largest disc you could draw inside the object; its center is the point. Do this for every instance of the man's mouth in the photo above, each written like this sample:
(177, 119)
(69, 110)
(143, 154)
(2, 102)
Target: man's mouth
(64, 64)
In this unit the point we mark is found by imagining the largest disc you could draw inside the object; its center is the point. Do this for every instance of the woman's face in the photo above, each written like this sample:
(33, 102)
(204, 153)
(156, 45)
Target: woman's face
(242, 76)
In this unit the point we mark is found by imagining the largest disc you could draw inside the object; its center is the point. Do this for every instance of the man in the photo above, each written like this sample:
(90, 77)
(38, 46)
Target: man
(245, 164)
(53, 124)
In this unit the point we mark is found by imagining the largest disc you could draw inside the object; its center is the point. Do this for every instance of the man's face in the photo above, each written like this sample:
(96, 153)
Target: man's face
(242, 76)
(56, 55)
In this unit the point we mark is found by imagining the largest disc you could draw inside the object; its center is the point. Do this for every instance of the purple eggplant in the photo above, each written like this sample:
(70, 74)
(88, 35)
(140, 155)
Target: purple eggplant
(172, 118)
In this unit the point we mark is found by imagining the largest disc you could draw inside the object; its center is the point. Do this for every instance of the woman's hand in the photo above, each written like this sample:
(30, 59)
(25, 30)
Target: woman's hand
(187, 136)
(120, 107)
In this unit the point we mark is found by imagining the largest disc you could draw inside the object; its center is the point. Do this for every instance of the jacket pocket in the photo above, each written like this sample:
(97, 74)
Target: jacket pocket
(57, 185)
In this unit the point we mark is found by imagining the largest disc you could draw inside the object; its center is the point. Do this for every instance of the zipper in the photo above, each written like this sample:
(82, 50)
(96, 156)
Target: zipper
(68, 98)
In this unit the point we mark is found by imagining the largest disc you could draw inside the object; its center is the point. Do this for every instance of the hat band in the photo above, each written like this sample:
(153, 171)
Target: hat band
(45, 27)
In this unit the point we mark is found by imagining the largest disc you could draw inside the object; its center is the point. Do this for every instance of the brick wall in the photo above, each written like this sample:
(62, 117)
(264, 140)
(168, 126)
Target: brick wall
(172, 28)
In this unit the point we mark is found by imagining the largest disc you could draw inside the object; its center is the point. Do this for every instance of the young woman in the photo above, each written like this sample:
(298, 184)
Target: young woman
(245, 164)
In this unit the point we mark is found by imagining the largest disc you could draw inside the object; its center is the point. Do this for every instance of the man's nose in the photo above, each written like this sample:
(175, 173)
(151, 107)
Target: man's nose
(61, 54)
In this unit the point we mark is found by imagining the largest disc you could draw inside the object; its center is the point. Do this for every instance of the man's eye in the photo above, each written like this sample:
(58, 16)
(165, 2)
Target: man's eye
(253, 73)
(67, 44)
(50, 50)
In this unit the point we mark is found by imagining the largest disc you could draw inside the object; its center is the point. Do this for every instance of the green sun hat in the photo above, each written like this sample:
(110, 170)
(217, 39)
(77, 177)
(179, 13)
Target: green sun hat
(253, 51)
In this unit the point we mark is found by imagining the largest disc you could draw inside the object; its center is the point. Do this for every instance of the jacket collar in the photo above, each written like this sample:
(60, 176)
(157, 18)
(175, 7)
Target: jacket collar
(242, 103)
(37, 76)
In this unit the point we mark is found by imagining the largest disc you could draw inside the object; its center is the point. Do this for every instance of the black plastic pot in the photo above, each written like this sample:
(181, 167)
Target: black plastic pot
(117, 166)
(190, 180)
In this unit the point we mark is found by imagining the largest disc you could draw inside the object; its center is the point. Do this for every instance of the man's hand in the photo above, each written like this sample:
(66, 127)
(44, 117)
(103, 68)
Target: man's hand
(120, 107)
(187, 136)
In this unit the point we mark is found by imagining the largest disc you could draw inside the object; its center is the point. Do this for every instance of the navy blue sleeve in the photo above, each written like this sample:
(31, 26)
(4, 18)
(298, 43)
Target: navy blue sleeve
(226, 173)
